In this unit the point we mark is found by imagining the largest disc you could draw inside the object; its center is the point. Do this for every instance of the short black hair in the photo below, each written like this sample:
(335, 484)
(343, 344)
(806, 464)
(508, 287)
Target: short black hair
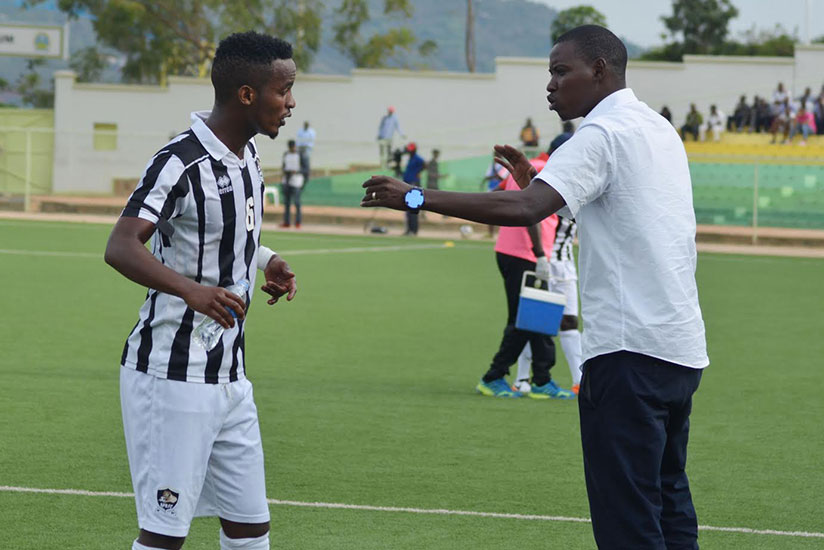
(594, 41)
(239, 59)
(568, 126)
(290, 143)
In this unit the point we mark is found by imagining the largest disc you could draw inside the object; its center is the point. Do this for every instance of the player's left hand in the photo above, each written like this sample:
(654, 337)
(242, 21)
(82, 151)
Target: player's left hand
(385, 191)
(280, 280)
(516, 164)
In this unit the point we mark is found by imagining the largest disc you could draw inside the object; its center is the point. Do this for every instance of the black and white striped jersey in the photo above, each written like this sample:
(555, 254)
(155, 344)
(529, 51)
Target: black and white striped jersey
(564, 237)
(213, 201)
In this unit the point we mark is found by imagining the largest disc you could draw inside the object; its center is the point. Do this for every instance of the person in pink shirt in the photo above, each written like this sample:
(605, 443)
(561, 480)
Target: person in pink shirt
(520, 249)
(805, 123)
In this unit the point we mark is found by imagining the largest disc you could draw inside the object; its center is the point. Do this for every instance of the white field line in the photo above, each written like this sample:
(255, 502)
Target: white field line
(796, 255)
(285, 253)
(430, 511)
(98, 255)
(356, 249)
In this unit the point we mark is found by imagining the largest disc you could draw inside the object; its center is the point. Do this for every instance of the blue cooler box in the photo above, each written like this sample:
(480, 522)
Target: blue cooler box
(539, 309)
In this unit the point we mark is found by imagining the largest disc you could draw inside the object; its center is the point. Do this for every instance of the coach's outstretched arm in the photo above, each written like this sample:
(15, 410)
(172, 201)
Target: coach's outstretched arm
(512, 208)
(126, 252)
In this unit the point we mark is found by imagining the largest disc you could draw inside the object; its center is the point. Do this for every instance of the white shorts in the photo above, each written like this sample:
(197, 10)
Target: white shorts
(563, 278)
(194, 450)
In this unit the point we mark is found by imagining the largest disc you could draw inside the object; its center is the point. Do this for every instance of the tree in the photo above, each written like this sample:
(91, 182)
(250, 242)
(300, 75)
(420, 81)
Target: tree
(770, 43)
(375, 51)
(297, 21)
(179, 37)
(30, 86)
(777, 42)
(570, 18)
(701, 23)
(88, 64)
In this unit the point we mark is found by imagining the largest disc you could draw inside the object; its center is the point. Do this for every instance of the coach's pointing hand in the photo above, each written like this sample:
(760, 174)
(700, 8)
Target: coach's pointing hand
(385, 191)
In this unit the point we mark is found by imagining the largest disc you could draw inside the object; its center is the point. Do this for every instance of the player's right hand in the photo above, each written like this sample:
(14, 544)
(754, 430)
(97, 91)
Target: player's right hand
(542, 268)
(213, 301)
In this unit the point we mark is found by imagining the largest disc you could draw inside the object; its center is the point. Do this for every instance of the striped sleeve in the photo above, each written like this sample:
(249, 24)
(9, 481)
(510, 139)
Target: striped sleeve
(161, 188)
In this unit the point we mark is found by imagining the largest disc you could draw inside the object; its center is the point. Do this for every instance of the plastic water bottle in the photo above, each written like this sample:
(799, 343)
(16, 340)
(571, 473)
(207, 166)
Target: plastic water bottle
(208, 332)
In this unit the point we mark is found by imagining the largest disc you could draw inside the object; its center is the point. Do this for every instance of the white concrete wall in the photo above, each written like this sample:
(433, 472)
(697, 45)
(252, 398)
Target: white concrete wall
(809, 68)
(462, 114)
(707, 80)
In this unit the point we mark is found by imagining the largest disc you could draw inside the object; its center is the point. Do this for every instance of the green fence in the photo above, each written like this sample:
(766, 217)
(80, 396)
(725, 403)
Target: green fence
(345, 189)
(26, 151)
(725, 193)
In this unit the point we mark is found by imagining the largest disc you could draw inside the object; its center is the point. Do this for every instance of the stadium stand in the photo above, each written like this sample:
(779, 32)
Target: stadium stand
(744, 174)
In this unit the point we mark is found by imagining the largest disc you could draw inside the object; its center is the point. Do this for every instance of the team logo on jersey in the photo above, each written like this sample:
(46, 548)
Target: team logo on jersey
(167, 499)
(260, 170)
(224, 185)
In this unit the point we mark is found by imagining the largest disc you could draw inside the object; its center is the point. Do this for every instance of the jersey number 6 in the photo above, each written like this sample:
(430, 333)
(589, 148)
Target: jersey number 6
(250, 213)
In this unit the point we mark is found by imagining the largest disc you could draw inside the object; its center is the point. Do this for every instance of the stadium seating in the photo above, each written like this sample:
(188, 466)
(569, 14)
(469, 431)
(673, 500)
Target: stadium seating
(758, 145)
(789, 178)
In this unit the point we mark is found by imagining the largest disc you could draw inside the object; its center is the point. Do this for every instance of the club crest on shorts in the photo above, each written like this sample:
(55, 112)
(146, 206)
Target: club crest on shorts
(167, 499)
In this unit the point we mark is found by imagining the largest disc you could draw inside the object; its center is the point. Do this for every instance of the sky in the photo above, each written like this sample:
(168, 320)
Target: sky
(639, 21)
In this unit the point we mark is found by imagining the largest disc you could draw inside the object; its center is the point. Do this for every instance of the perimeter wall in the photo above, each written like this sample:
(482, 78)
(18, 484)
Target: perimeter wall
(109, 132)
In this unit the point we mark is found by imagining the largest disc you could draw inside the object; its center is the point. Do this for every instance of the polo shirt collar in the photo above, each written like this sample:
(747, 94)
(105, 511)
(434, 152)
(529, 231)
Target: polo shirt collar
(216, 148)
(615, 99)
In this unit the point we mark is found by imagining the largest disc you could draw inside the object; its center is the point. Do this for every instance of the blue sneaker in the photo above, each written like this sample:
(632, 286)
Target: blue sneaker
(496, 388)
(550, 389)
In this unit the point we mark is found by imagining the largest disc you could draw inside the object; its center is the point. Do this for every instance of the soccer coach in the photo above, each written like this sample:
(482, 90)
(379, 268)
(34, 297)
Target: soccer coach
(624, 177)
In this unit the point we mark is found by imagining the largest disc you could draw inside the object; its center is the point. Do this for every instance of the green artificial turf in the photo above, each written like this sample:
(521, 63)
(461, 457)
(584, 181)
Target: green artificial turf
(364, 386)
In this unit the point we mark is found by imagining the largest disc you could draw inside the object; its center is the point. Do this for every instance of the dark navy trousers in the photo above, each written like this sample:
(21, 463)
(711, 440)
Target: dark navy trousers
(635, 419)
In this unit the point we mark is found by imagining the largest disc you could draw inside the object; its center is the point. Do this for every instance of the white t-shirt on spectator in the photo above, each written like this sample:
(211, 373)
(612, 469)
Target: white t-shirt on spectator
(291, 163)
(625, 179)
(717, 119)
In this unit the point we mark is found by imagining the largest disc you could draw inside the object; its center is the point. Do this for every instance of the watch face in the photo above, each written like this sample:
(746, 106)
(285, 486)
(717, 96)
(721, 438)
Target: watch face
(414, 198)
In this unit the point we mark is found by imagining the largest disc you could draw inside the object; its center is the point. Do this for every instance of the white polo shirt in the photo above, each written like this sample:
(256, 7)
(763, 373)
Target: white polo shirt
(625, 179)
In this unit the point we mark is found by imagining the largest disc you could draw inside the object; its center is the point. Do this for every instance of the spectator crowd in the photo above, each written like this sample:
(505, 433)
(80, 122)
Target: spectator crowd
(782, 116)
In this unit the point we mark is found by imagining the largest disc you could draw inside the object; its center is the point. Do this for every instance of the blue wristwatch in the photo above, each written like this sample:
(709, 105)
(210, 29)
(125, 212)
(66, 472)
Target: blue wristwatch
(414, 199)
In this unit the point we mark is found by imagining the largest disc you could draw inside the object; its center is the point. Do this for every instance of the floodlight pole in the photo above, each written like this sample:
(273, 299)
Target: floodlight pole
(27, 196)
(755, 204)
(66, 41)
(807, 37)
(469, 43)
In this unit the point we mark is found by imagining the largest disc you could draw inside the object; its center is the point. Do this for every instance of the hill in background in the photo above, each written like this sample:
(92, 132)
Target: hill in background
(502, 28)
(518, 28)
